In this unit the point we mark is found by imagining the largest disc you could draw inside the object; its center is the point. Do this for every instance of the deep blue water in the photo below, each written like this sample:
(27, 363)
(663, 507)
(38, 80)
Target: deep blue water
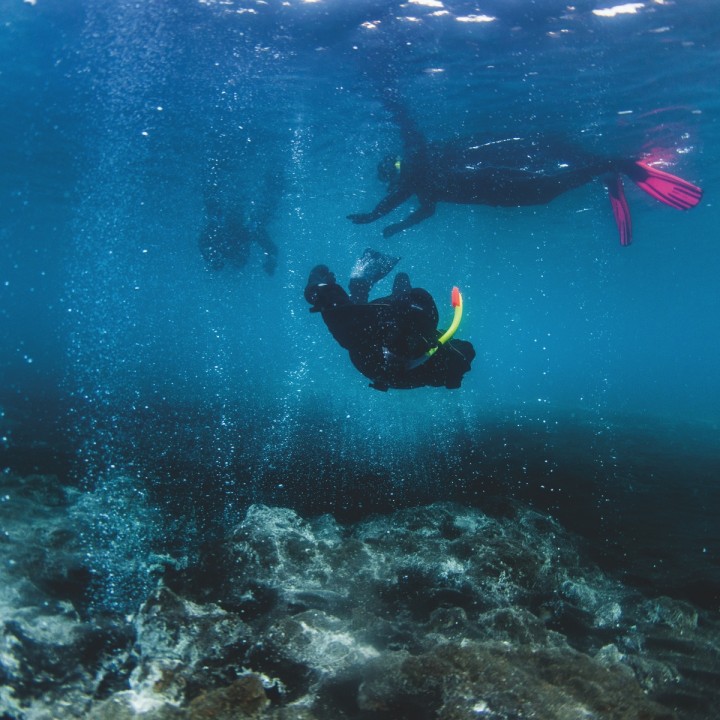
(596, 390)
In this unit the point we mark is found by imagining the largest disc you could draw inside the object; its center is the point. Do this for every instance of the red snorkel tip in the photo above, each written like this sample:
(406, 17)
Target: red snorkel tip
(455, 297)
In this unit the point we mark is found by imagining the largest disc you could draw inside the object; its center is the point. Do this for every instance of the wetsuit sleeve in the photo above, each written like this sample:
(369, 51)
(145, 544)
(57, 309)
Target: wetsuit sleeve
(426, 210)
(387, 204)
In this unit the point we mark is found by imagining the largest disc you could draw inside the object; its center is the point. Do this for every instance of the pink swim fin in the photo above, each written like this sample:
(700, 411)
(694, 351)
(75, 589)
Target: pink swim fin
(620, 208)
(663, 186)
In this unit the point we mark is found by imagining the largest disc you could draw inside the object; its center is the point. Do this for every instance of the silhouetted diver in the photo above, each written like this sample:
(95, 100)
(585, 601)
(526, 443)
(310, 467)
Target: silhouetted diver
(509, 172)
(392, 340)
(228, 237)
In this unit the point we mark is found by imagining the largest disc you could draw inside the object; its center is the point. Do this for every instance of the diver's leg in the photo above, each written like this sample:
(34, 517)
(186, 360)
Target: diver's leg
(401, 284)
(269, 249)
(368, 269)
(359, 290)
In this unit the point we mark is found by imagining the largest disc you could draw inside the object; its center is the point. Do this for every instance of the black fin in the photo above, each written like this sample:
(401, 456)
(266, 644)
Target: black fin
(373, 266)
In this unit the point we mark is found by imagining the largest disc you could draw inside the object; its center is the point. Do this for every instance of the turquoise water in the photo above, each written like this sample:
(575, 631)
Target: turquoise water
(595, 394)
(119, 116)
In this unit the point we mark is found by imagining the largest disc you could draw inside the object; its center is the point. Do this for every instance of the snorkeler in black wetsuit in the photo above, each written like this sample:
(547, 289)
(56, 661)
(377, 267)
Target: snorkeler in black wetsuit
(228, 236)
(392, 340)
(508, 172)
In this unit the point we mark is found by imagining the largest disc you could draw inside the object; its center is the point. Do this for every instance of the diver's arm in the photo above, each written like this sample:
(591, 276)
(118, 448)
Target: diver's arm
(412, 137)
(386, 205)
(426, 210)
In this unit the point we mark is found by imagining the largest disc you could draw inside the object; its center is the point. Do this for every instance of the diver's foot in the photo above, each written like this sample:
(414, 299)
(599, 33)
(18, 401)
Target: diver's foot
(401, 284)
(373, 266)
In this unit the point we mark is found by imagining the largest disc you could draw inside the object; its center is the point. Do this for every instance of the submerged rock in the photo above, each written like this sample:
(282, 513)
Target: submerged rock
(54, 657)
(502, 681)
(244, 698)
(435, 612)
(183, 648)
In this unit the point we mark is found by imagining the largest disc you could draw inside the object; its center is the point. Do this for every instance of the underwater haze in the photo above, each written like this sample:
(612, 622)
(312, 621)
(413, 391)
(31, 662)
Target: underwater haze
(205, 508)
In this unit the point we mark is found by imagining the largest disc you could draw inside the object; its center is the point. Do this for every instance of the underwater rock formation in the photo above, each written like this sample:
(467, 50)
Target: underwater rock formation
(439, 611)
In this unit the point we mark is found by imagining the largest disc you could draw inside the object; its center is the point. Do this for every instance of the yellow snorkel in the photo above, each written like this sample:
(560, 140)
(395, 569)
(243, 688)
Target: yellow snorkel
(457, 303)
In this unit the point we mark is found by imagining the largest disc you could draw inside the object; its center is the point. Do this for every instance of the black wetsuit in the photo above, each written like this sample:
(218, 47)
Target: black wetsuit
(387, 338)
(475, 170)
(227, 239)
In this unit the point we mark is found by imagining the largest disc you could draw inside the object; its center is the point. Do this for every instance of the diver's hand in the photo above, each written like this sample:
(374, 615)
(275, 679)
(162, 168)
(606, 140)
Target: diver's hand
(361, 218)
(391, 230)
